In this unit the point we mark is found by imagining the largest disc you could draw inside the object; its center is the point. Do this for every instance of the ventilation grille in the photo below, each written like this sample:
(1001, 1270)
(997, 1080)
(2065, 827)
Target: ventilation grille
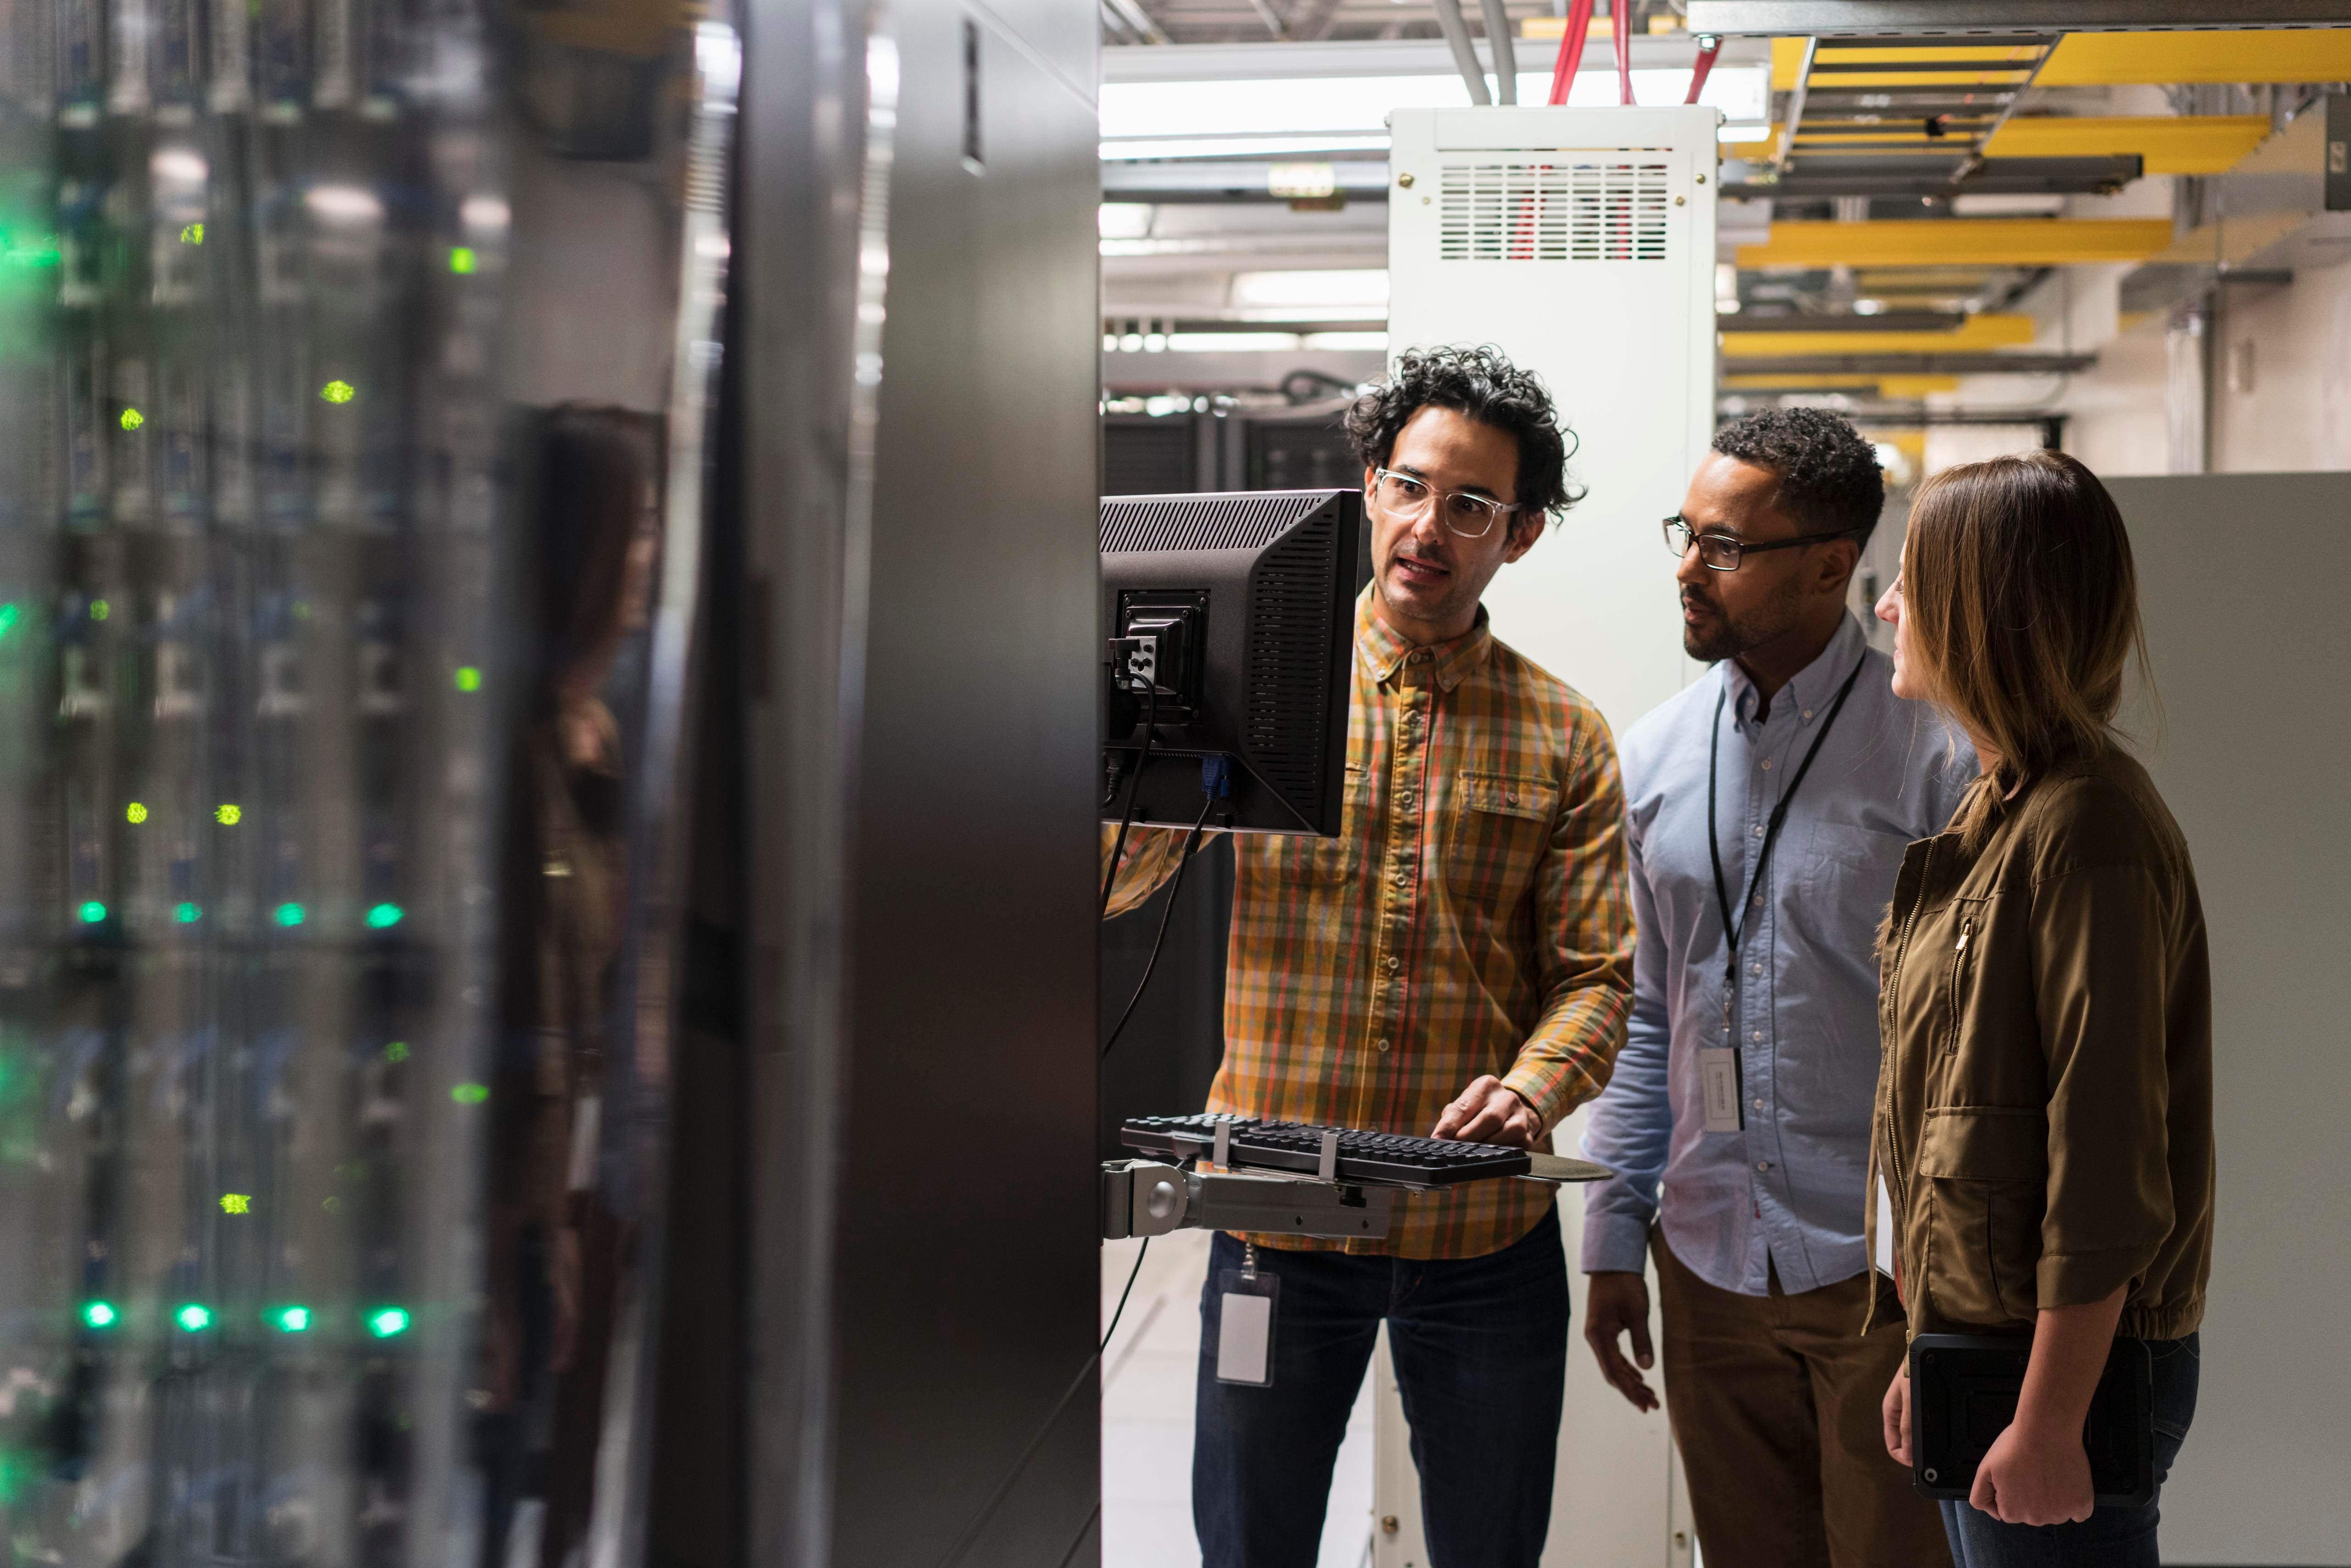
(1290, 694)
(1182, 522)
(1595, 211)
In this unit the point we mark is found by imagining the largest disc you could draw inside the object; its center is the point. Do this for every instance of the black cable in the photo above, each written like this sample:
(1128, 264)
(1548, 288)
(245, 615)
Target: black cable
(1174, 887)
(963, 1542)
(1083, 1530)
(1134, 785)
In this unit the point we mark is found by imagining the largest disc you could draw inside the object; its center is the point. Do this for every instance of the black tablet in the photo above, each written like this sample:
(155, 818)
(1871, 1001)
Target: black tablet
(1963, 1395)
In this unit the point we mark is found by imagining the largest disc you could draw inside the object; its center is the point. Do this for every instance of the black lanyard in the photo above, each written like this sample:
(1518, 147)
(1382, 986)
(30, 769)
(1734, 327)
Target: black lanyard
(1770, 833)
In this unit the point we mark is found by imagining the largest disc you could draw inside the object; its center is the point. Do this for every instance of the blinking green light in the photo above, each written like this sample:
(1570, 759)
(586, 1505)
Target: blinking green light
(132, 419)
(134, 813)
(91, 912)
(384, 916)
(291, 914)
(7, 618)
(469, 1094)
(338, 391)
(194, 1317)
(467, 678)
(385, 1322)
(461, 259)
(188, 914)
(290, 1320)
(99, 1314)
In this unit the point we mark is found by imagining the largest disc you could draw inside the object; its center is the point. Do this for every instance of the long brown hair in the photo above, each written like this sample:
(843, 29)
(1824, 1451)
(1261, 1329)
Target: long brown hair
(2023, 606)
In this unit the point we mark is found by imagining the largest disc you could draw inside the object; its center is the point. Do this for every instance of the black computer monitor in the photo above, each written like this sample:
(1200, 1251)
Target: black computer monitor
(1229, 623)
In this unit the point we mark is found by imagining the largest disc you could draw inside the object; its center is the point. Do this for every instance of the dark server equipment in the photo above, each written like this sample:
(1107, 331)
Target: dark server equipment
(1159, 454)
(1230, 620)
(1299, 451)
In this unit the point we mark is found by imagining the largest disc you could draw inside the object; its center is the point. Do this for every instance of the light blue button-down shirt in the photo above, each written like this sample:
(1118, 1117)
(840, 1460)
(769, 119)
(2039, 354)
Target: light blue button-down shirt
(1788, 1188)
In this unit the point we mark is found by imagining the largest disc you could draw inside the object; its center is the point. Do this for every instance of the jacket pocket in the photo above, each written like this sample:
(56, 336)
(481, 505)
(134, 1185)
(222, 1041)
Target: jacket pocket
(1966, 923)
(1985, 1169)
(1500, 827)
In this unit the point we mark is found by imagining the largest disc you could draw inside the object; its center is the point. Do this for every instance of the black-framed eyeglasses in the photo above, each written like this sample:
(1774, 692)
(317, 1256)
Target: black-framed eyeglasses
(1408, 499)
(1721, 552)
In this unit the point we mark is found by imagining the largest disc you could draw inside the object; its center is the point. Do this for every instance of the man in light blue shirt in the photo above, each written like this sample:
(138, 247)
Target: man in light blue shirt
(1768, 807)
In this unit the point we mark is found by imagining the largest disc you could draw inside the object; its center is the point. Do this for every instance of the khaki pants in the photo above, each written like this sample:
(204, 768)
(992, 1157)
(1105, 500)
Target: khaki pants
(1774, 1405)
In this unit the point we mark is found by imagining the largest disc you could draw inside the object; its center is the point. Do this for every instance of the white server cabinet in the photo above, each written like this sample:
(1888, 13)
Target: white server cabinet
(1581, 243)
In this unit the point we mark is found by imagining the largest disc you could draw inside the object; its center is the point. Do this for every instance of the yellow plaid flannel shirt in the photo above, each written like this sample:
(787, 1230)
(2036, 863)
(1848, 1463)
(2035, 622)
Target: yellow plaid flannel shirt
(1471, 917)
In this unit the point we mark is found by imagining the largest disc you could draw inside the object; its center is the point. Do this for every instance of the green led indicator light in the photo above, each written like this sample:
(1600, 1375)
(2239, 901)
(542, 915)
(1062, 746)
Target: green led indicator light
(385, 1322)
(470, 1093)
(396, 1052)
(191, 234)
(338, 391)
(290, 1320)
(100, 610)
(134, 813)
(461, 259)
(195, 1317)
(384, 916)
(237, 1203)
(291, 914)
(132, 419)
(228, 814)
(467, 678)
(188, 914)
(99, 1314)
(91, 912)
(7, 618)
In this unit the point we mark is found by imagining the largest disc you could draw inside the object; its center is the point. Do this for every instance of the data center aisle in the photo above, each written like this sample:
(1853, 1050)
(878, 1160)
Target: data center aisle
(1147, 1433)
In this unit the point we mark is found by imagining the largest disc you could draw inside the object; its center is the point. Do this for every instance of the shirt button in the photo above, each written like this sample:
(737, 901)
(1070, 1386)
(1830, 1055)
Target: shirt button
(1762, 1164)
(1808, 713)
(1759, 1105)
(1759, 901)
(1384, 1045)
(1757, 829)
(1512, 796)
(1756, 1035)
(1766, 765)
(1754, 968)
(1394, 960)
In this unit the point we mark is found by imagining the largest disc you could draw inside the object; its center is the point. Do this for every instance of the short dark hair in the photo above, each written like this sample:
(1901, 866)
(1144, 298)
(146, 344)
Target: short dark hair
(1485, 386)
(1829, 478)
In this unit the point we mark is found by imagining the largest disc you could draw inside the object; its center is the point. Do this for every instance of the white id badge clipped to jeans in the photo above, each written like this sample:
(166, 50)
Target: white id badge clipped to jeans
(1246, 1300)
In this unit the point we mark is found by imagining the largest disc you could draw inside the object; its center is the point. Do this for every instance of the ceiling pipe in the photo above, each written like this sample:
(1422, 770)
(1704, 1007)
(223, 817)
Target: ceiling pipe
(1457, 34)
(1506, 53)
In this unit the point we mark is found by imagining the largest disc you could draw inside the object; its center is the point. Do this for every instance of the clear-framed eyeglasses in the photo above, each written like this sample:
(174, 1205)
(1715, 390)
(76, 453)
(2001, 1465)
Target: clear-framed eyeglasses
(1721, 552)
(1407, 500)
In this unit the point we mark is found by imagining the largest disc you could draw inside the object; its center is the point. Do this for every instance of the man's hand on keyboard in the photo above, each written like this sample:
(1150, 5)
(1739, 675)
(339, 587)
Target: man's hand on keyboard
(1487, 1112)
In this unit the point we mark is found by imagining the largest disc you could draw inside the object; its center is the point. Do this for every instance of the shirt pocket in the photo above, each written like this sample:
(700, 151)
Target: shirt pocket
(1986, 1172)
(1500, 826)
(1306, 860)
(1846, 881)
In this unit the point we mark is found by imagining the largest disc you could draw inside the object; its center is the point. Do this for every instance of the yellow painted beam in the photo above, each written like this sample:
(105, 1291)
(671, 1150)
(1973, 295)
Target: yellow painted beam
(1984, 332)
(1958, 242)
(1884, 386)
(2004, 77)
(1787, 62)
(2102, 60)
(2171, 144)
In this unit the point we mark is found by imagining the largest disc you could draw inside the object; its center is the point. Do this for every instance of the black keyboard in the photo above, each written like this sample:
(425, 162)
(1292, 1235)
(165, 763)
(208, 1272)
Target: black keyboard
(1390, 1159)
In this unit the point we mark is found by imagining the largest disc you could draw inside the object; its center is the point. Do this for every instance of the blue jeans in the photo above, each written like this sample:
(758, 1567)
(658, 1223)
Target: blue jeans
(2110, 1537)
(1480, 1349)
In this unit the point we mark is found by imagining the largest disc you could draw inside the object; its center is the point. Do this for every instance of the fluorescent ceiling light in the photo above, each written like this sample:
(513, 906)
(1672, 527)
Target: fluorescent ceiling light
(1373, 340)
(1239, 146)
(1294, 106)
(1124, 220)
(1232, 342)
(1357, 286)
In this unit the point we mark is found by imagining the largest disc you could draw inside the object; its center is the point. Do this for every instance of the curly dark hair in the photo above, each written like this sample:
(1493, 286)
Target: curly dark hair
(1484, 385)
(1829, 478)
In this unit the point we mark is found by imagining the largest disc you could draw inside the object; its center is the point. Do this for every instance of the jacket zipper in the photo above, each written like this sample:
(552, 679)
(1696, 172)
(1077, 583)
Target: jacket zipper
(1901, 1202)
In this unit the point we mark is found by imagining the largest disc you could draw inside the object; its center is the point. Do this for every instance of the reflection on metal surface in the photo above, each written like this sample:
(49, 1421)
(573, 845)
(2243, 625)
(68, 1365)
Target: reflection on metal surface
(345, 615)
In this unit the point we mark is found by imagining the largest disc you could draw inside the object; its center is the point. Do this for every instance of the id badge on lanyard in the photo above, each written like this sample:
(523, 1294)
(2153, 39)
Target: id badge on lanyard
(1717, 1076)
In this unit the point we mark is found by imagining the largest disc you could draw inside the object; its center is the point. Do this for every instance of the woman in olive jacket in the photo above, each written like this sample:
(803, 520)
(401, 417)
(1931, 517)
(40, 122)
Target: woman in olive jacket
(2043, 1135)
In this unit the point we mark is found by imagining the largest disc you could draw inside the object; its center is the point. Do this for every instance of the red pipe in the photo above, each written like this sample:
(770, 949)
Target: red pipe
(1570, 49)
(1705, 68)
(1623, 37)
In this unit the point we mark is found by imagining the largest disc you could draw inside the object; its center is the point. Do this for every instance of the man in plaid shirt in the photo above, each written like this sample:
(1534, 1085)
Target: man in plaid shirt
(1456, 964)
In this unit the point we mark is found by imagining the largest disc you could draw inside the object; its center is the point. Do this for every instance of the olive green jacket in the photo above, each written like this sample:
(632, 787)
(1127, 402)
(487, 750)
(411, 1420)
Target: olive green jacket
(2044, 1095)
